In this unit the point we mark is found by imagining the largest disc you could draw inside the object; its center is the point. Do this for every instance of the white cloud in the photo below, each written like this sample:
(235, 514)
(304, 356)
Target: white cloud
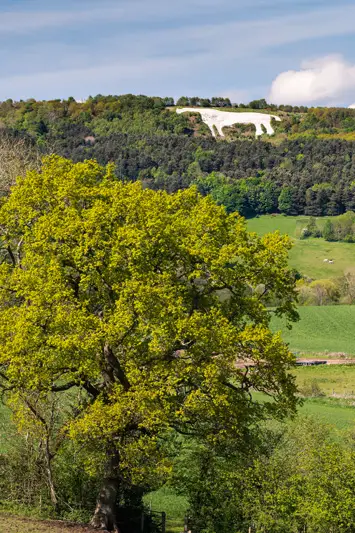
(327, 80)
(352, 106)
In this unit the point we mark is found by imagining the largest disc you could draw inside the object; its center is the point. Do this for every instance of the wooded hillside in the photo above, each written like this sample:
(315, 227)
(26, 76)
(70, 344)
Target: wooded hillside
(307, 167)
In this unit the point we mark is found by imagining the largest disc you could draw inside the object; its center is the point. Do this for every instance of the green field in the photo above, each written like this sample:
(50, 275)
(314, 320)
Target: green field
(320, 329)
(308, 255)
(174, 505)
(340, 416)
(338, 413)
(338, 380)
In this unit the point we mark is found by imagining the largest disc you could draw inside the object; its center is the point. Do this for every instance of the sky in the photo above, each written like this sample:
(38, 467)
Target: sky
(287, 51)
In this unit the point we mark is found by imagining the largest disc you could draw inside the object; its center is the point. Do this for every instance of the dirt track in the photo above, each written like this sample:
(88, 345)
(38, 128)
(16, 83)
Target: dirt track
(307, 362)
(331, 361)
(13, 524)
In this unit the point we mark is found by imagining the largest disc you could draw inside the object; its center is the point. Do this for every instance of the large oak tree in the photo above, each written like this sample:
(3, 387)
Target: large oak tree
(151, 304)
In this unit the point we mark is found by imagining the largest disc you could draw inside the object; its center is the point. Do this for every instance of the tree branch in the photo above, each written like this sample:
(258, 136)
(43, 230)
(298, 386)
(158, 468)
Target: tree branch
(90, 389)
(65, 387)
(11, 254)
(116, 367)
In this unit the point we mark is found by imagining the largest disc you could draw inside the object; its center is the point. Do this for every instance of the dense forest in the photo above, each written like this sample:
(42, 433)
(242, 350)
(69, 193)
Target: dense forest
(307, 167)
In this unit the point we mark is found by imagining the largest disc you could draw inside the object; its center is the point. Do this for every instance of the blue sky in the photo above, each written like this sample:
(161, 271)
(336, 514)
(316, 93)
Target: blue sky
(238, 48)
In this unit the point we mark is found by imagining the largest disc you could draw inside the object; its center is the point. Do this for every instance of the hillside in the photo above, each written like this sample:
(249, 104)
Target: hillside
(305, 168)
(104, 115)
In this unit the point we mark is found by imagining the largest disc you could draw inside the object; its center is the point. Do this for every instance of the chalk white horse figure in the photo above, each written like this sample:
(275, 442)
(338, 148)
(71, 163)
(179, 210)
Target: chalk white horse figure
(220, 119)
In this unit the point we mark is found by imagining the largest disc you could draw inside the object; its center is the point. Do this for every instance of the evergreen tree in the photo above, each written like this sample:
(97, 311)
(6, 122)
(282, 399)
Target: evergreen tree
(328, 231)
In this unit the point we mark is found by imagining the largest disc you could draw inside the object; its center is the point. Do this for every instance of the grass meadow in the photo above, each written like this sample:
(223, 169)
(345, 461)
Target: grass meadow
(174, 505)
(331, 380)
(325, 329)
(308, 255)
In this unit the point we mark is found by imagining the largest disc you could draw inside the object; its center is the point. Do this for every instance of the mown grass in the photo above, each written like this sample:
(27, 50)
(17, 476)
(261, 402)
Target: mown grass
(270, 223)
(333, 411)
(320, 329)
(308, 255)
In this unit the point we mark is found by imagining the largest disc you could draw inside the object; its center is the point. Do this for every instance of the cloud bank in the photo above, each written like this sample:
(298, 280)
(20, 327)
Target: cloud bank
(326, 80)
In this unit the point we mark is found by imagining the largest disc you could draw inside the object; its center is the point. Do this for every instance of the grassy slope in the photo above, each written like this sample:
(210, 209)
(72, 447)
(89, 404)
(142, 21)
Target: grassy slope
(321, 329)
(329, 412)
(338, 413)
(307, 255)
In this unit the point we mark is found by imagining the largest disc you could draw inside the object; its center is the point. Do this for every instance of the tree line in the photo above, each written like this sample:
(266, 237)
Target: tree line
(132, 114)
(311, 177)
(297, 177)
(337, 229)
(295, 478)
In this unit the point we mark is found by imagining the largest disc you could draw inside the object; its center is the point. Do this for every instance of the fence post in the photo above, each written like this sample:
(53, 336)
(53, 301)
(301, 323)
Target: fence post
(142, 522)
(186, 524)
(163, 522)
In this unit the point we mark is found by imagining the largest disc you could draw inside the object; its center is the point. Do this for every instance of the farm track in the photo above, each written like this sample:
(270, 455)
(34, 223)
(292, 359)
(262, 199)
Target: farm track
(307, 362)
(14, 524)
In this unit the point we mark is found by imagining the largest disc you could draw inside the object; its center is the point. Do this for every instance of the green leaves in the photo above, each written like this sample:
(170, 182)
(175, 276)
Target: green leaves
(146, 301)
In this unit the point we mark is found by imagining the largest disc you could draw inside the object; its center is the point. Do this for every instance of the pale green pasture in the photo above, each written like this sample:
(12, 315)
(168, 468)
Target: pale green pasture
(308, 255)
(320, 329)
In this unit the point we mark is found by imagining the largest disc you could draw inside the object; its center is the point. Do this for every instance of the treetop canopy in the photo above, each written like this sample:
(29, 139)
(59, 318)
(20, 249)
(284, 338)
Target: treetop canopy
(143, 300)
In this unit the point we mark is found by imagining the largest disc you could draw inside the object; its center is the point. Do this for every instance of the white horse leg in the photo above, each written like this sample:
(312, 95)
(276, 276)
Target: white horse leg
(269, 128)
(212, 128)
(220, 129)
(259, 130)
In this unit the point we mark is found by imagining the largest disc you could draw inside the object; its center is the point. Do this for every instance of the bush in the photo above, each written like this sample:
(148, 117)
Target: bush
(312, 390)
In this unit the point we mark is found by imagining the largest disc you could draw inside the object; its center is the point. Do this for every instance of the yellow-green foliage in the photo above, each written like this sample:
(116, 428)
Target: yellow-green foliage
(115, 290)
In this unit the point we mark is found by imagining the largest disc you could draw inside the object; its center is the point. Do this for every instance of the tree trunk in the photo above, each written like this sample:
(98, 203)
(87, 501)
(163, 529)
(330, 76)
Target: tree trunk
(54, 499)
(49, 458)
(105, 516)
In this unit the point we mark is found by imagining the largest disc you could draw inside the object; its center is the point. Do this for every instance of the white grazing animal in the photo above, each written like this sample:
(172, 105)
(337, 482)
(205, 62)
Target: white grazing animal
(220, 119)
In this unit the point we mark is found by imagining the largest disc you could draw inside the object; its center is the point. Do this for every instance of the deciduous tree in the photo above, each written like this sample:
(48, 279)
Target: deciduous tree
(147, 302)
